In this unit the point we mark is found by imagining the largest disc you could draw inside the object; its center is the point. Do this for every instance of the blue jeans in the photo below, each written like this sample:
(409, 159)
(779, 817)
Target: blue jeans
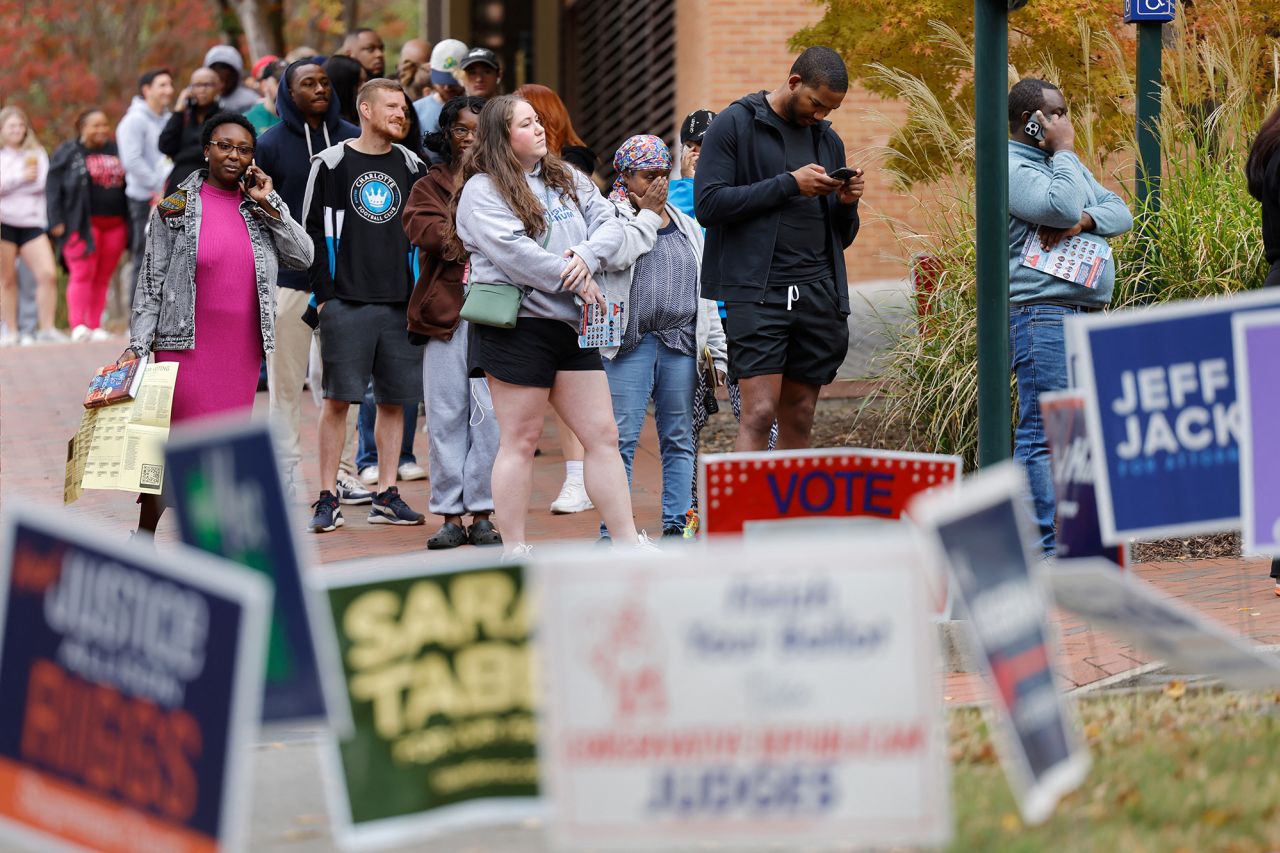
(367, 448)
(1039, 360)
(653, 370)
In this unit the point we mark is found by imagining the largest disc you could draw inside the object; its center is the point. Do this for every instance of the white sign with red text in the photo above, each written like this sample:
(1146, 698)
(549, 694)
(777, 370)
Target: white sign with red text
(742, 693)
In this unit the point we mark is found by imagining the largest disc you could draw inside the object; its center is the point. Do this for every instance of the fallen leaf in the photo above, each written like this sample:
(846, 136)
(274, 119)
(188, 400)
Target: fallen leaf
(1010, 822)
(1093, 731)
(1216, 817)
(1175, 689)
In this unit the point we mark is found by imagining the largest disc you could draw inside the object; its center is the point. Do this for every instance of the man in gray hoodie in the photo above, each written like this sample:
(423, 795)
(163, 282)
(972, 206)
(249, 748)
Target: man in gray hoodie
(138, 137)
(1052, 198)
(227, 61)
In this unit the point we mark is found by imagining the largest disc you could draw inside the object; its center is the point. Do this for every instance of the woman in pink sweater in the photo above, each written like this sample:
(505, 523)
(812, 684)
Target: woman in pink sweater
(23, 219)
(206, 291)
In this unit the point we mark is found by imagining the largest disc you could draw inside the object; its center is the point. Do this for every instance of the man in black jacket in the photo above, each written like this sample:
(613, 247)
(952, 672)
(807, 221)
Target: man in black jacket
(777, 226)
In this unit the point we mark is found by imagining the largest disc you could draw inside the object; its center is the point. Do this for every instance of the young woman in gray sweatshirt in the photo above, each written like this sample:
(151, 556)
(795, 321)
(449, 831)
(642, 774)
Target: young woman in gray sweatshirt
(526, 219)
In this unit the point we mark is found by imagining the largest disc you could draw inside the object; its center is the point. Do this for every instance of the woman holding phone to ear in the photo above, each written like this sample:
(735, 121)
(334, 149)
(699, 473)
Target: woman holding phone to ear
(215, 319)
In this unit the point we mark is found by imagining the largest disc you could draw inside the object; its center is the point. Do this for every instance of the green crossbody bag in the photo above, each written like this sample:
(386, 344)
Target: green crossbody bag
(491, 303)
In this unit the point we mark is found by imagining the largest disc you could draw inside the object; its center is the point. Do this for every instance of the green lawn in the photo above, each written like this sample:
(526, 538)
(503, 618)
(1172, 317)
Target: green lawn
(1172, 771)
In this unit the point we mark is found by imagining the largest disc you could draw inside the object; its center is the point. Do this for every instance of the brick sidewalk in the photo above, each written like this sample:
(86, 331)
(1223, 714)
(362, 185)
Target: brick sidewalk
(41, 390)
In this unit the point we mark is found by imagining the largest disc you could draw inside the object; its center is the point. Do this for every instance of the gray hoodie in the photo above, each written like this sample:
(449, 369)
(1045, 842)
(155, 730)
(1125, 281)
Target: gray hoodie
(242, 98)
(138, 137)
(502, 252)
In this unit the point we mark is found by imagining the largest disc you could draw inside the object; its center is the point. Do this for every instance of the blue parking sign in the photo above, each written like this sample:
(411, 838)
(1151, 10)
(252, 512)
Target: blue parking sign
(1164, 421)
(1148, 11)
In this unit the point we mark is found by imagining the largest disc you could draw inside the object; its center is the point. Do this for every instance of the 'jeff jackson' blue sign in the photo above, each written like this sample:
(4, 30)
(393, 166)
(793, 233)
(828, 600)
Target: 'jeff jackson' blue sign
(1164, 423)
(1148, 11)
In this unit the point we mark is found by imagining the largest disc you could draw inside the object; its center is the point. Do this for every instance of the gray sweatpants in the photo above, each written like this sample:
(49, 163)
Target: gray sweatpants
(462, 429)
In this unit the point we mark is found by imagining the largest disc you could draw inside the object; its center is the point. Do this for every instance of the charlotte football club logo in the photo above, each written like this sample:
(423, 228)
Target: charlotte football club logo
(376, 197)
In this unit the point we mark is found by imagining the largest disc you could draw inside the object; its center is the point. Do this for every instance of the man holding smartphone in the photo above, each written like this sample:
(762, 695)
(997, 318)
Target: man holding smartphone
(779, 213)
(1052, 197)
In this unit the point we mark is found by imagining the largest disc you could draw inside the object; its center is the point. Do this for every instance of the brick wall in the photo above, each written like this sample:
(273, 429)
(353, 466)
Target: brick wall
(727, 48)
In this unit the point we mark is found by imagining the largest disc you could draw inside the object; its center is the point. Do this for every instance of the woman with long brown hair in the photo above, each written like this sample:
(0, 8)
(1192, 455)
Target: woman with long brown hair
(528, 220)
(564, 142)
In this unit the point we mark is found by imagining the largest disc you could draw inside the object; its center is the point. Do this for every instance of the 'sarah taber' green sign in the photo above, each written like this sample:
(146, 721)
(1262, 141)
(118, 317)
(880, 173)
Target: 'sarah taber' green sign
(438, 674)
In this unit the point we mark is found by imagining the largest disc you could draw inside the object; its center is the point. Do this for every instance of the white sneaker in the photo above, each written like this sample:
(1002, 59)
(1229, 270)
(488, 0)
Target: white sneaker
(411, 471)
(520, 552)
(26, 340)
(80, 333)
(100, 334)
(369, 475)
(51, 336)
(645, 545)
(572, 498)
(8, 338)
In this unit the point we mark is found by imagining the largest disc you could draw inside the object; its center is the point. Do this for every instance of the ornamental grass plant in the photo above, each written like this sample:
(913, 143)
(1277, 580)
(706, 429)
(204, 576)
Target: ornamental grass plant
(1205, 240)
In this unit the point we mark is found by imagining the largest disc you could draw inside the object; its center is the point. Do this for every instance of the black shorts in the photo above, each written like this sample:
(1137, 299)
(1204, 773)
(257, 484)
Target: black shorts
(806, 342)
(530, 354)
(19, 235)
(361, 340)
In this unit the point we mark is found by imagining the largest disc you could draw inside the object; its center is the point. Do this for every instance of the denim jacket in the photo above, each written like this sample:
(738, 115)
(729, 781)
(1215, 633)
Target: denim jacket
(164, 299)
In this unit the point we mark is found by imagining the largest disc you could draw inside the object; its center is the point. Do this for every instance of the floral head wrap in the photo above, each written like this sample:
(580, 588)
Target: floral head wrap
(638, 154)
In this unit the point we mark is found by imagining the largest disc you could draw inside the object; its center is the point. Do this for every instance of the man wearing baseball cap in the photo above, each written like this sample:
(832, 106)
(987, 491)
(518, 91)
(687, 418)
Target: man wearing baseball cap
(482, 73)
(680, 191)
(446, 63)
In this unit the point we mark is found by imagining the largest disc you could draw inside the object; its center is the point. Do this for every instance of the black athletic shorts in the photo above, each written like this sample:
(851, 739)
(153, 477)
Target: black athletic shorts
(806, 341)
(18, 235)
(530, 354)
(359, 340)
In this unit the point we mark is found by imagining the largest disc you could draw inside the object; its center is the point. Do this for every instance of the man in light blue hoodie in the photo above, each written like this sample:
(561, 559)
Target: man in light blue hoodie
(1052, 198)
(138, 137)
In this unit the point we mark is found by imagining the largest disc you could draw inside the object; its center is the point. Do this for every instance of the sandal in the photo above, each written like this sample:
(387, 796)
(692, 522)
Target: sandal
(483, 533)
(448, 536)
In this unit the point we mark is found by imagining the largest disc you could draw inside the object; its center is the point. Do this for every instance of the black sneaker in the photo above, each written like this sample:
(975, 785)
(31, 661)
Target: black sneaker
(389, 508)
(673, 532)
(328, 516)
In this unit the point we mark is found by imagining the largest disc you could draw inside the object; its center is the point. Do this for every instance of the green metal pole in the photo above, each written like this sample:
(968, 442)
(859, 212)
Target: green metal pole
(1149, 79)
(991, 85)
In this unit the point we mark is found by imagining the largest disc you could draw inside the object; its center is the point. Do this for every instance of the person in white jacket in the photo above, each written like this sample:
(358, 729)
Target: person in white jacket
(669, 331)
(138, 138)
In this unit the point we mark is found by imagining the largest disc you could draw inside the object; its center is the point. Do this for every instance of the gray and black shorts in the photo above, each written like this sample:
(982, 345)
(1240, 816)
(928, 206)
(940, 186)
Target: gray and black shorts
(360, 340)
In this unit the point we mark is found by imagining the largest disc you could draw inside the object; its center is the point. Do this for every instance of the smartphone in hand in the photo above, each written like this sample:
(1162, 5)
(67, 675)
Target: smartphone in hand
(844, 173)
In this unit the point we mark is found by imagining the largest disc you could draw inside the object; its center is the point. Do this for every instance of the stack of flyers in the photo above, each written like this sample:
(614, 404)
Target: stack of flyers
(1080, 259)
(601, 328)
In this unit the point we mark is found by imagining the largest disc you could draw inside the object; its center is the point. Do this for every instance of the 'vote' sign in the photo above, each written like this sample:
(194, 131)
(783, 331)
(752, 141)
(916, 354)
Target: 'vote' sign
(736, 489)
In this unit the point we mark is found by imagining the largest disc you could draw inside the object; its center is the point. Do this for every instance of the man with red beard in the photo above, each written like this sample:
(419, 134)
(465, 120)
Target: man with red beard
(361, 281)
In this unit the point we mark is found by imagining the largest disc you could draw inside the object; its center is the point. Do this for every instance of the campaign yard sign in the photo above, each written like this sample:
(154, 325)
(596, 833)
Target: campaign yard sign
(1063, 415)
(131, 685)
(437, 673)
(1160, 624)
(736, 490)
(225, 485)
(983, 533)
(1164, 417)
(743, 694)
(1257, 351)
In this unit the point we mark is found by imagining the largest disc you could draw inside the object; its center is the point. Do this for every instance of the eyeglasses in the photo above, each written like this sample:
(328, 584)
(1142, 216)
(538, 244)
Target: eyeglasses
(227, 148)
(459, 132)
